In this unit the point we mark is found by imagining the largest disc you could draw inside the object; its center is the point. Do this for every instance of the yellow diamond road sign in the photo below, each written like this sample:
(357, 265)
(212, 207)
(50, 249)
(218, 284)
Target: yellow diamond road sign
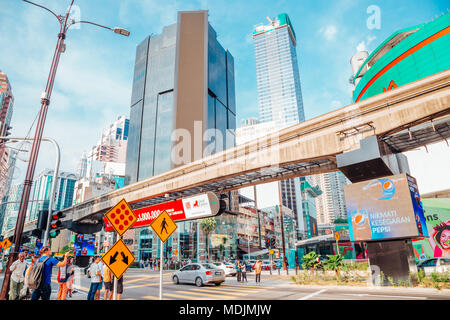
(163, 226)
(121, 217)
(6, 244)
(118, 259)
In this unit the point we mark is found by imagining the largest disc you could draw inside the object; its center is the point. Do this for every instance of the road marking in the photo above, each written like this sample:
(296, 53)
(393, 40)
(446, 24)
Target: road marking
(234, 289)
(155, 298)
(382, 295)
(205, 294)
(246, 286)
(147, 285)
(184, 297)
(312, 294)
(140, 278)
(220, 291)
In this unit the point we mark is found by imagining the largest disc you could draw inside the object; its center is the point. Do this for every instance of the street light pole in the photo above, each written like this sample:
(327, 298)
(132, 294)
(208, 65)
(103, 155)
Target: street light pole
(45, 101)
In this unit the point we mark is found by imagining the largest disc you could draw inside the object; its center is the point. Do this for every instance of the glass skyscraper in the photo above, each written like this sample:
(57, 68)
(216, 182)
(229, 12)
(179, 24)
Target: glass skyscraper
(279, 91)
(183, 83)
(278, 79)
(179, 79)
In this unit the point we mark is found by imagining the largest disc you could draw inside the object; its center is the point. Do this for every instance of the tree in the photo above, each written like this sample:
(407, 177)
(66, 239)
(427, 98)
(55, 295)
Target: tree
(311, 261)
(208, 225)
(340, 220)
(335, 262)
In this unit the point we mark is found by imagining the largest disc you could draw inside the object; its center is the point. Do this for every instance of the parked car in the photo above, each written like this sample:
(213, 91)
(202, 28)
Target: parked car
(199, 274)
(228, 268)
(249, 265)
(439, 265)
(278, 264)
(266, 265)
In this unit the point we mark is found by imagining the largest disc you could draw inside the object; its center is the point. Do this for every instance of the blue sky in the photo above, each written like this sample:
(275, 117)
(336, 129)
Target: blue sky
(93, 83)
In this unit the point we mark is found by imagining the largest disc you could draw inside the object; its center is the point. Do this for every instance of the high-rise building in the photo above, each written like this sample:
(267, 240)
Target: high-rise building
(41, 191)
(279, 91)
(278, 78)
(182, 109)
(9, 219)
(7, 155)
(330, 205)
(183, 89)
(108, 157)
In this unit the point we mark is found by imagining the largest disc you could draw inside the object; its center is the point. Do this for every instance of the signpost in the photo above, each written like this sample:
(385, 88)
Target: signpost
(6, 244)
(163, 226)
(337, 236)
(119, 257)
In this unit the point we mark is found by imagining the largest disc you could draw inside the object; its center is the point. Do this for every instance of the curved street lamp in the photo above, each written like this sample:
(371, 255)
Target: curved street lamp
(65, 23)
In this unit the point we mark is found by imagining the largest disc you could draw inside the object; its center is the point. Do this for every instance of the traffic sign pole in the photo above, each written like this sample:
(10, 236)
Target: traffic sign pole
(161, 264)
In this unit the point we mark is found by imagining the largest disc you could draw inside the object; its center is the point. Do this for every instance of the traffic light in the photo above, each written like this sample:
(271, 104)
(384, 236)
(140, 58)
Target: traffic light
(272, 243)
(56, 224)
(42, 220)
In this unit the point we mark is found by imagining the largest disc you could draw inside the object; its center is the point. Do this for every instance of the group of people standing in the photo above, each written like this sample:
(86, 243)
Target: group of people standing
(241, 270)
(20, 273)
(102, 274)
(21, 284)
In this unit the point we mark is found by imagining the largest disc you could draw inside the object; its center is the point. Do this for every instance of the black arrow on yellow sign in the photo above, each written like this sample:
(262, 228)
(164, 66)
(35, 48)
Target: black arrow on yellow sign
(124, 258)
(112, 259)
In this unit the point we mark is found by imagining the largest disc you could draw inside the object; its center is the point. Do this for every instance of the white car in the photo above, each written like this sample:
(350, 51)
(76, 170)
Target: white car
(199, 274)
(228, 268)
(438, 265)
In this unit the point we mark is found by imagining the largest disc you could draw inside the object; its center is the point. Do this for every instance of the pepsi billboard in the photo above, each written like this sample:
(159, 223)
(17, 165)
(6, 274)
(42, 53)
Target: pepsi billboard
(385, 208)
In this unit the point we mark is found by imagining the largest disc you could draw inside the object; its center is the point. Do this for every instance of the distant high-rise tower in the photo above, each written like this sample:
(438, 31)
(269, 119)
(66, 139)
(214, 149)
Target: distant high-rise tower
(279, 91)
(278, 79)
(330, 205)
(7, 155)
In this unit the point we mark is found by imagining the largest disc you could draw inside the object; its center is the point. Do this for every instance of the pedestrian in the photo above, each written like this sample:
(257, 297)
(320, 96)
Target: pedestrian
(25, 293)
(119, 288)
(109, 283)
(151, 264)
(146, 263)
(141, 263)
(238, 270)
(258, 268)
(17, 277)
(44, 290)
(62, 281)
(96, 279)
(71, 274)
(244, 271)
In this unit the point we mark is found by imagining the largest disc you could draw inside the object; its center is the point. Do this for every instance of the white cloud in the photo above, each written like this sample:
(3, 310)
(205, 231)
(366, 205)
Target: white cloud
(329, 32)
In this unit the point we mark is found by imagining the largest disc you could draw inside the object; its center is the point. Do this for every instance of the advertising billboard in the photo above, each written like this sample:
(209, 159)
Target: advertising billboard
(437, 215)
(385, 208)
(84, 245)
(199, 206)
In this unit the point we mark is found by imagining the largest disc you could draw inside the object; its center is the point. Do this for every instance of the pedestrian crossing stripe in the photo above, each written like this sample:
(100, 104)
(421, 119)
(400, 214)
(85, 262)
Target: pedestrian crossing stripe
(155, 298)
(233, 289)
(146, 285)
(184, 297)
(221, 291)
(245, 286)
(213, 296)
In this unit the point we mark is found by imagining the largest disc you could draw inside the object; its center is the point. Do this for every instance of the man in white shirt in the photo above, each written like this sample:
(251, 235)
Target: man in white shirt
(96, 279)
(17, 276)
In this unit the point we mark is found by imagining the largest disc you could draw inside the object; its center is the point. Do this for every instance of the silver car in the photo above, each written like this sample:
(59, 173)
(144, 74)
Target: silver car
(199, 274)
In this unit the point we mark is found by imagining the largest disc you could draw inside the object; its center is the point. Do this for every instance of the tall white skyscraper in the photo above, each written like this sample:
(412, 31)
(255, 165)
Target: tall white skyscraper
(278, 79)
(330, 205)
(279, 92)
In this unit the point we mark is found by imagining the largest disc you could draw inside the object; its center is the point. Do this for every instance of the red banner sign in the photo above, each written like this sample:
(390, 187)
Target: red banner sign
(145, 216)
